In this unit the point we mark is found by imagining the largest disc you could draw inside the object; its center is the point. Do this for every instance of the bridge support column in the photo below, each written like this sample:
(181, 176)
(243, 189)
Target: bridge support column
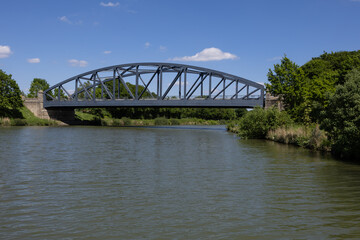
(36, 106)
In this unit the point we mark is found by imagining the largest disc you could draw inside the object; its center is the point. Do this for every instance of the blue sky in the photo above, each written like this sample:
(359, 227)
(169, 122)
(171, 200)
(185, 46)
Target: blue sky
(56, 40)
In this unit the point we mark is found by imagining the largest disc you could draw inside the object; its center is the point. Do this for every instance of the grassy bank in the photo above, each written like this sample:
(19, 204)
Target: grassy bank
(90, 119)
(303, 136)
(310, 137)
(277, 126)
(24, 117)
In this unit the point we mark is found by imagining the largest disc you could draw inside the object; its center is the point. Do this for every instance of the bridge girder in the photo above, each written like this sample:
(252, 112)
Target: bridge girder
(154, 85)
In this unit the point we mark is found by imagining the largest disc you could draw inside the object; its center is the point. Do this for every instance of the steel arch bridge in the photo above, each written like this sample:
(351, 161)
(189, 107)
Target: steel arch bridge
(154, 85)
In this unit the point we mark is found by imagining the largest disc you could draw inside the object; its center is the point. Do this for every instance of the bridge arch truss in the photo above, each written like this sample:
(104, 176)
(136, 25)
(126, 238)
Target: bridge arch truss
(154, 85)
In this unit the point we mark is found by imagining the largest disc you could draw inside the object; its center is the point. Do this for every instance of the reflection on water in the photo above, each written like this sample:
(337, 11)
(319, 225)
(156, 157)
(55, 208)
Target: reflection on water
(130, 183)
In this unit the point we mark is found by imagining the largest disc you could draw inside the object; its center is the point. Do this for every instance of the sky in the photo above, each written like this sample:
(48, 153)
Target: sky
(56, 40)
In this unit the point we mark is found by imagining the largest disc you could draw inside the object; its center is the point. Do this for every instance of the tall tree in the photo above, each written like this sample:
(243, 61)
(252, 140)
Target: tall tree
(10, 94)
(36, 85)
(288, 82)
(342, 117)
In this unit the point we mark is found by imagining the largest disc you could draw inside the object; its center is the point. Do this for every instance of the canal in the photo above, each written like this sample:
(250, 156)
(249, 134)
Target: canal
(170, 183)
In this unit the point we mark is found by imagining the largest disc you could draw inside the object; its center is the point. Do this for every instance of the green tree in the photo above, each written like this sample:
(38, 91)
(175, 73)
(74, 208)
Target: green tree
(342, 117)
(288, 82)
(257, 122)
(36, 85)
(10, 94)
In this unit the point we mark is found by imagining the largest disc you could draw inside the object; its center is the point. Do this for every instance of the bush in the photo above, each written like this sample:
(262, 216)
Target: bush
(258, 122)
(126, 121)
(117, 123)
(18, 122)
(174, 121)
(342, 118)
(304, 136)
(161, 121)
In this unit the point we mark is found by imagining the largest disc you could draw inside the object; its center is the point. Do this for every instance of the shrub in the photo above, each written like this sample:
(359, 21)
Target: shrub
(174, 121)
(117, 123)
(18, 122)
(161, 121)
(126, 121)
(305, 136)
(258, 122)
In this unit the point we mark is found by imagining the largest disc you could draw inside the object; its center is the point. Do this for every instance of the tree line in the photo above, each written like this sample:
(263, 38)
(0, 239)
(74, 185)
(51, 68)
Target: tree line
(325, 91)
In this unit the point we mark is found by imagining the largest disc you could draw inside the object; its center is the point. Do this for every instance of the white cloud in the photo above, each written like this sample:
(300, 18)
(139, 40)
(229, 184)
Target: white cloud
(109, 4)
(68, 21)
(275, 58)
(147, 44)
(33, 60)
(163, 48)
(65, 19)
(208, 54)
(78, 63)
(107, 52)
(5, 51)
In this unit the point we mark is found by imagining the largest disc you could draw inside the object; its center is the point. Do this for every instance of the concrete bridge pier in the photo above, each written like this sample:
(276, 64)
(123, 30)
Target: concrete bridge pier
(36, 106)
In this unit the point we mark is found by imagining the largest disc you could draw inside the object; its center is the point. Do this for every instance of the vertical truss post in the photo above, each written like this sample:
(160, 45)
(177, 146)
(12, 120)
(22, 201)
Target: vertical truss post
(158, 85)
(102, 90)
(118, 80)
(114, 96)
(202, 86)
(137, 83)
(93, 76)
(185, 82)
(161, 81)
(209, 86)
(59, 89)
(247, 92)
(180, 86)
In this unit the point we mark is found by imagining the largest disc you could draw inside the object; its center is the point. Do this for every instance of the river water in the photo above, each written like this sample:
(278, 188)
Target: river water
(169, 183)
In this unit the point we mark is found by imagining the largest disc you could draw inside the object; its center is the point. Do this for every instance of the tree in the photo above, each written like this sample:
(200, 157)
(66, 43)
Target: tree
(288, 81)
(10, 94)
(36, 85)
(342, 117)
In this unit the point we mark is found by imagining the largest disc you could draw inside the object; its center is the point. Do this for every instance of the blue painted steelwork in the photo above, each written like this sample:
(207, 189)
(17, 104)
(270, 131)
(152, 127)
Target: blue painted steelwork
(156, 85)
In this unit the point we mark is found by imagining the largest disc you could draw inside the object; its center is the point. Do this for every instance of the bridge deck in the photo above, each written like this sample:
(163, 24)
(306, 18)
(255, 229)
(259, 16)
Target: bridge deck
(234, 103)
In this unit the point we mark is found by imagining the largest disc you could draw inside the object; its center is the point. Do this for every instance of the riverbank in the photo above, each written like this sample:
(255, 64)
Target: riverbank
(90, 119)
(24, 117)
(274, 125)
(310, 137)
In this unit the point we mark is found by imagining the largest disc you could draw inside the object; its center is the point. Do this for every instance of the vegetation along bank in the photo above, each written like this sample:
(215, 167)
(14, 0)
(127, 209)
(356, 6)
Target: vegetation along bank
(322, 105)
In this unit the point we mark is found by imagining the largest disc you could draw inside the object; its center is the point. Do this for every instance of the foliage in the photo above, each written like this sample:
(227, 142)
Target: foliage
(323, 74)
(258, 122)
(342, 117)
(152, 113)
(10, 94)
(305, 89)
(36, 85)
(304, 136)
(174, 121)
(161, 121)
(288, 81)
(126, 121)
